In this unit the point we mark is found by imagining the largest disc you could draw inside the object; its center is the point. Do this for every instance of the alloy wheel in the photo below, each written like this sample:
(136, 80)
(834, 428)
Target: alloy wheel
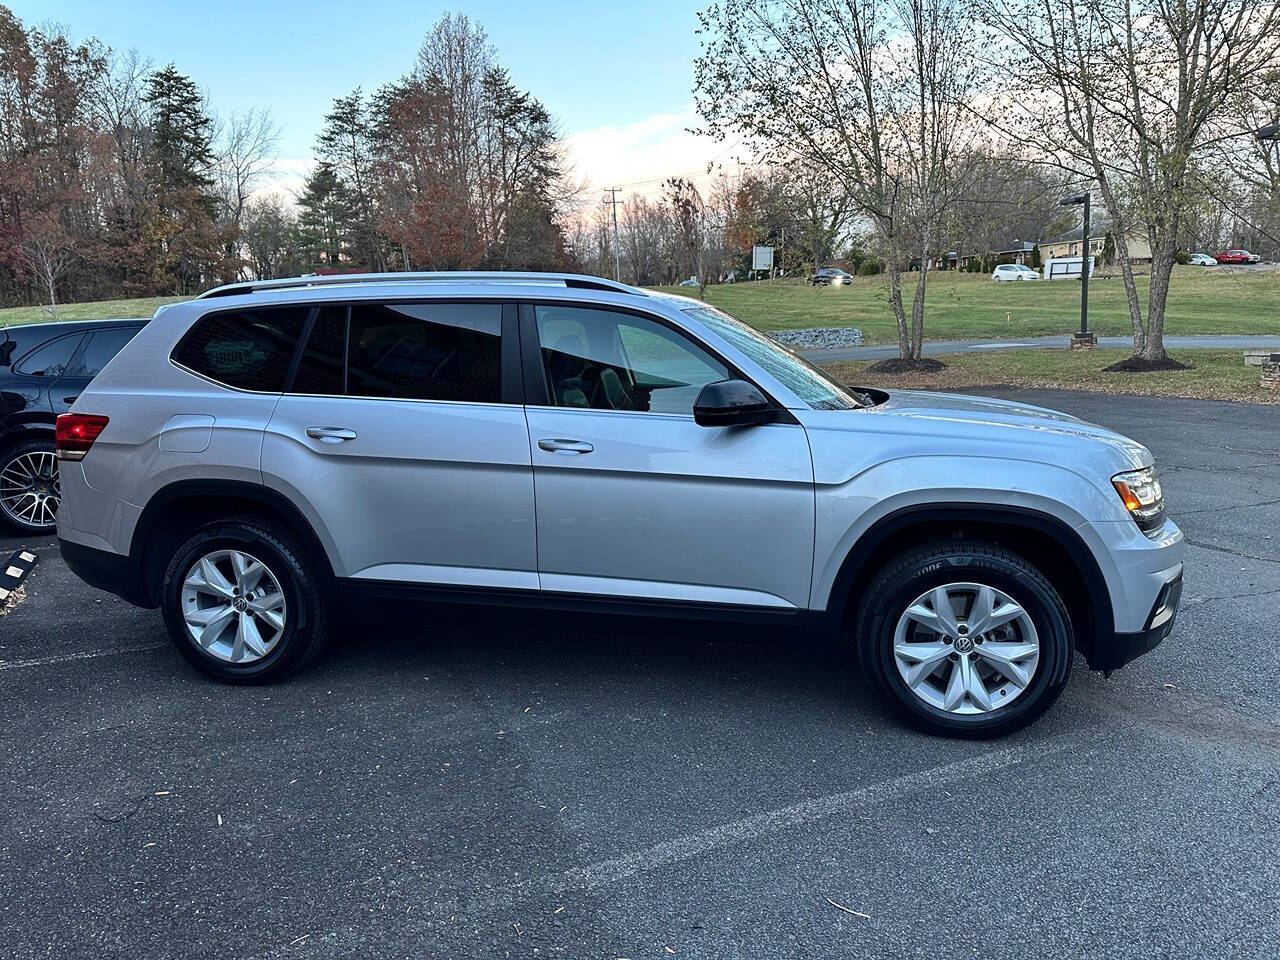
(233, 606)
(29, 491)
(966, 648)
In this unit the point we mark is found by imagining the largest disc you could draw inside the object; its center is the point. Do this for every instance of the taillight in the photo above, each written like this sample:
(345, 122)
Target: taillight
(76, 433)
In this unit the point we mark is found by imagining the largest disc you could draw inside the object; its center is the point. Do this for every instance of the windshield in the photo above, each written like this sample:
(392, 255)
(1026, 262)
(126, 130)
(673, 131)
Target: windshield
(794, 372)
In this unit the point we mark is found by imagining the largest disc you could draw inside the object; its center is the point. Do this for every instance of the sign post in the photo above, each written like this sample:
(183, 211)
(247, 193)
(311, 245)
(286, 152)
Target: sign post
(762, 259)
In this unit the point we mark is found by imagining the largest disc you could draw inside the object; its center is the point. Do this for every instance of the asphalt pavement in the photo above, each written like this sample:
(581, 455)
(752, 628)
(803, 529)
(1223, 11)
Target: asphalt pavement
(433, 788)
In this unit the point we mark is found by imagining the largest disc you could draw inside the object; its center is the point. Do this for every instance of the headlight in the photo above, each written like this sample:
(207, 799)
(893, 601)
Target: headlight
(1142, 496)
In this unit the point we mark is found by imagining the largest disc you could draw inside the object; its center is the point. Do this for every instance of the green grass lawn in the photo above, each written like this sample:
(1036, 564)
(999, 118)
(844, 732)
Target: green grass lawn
(97, 310)
(1214, 374)
(958, 305)
(966, 305)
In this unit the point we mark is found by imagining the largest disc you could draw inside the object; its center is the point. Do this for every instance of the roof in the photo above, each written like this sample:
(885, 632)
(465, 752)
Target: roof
(492, 278)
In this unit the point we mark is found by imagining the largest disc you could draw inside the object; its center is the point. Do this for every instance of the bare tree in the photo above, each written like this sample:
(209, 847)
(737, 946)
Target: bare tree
(689, 214)
(48, 251)
(246, 149)
(1133, 95)
(874, 92)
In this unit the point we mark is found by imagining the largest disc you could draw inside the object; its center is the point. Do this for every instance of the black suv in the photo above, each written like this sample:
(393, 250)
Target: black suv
(43, 368)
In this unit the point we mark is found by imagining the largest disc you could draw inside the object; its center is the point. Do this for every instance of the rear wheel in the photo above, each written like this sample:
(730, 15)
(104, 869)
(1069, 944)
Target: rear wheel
(965, 639)
(29, 491)
(243, 602)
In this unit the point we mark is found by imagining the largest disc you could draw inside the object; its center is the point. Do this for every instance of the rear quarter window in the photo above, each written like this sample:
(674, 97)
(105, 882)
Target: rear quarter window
(245, 349)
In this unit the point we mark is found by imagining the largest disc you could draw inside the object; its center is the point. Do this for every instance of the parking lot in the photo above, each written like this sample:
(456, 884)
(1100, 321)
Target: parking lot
(434, 789)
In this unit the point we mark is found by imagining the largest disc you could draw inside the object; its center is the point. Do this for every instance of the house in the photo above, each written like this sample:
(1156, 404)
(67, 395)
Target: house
(1068, 244)
(1016, 251)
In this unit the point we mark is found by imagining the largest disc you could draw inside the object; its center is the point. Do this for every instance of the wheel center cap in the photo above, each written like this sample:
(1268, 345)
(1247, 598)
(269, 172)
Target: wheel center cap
(240, 604)
(963, 645)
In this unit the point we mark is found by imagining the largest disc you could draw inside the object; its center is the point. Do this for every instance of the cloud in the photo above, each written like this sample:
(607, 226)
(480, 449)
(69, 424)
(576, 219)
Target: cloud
(638, 156)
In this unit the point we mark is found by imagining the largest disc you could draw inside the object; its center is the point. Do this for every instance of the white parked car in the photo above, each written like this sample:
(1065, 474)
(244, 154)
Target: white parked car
(1014, 271)
(1203, 260)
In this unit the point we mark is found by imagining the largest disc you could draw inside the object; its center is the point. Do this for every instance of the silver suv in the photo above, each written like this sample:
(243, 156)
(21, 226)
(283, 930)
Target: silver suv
(567, 442)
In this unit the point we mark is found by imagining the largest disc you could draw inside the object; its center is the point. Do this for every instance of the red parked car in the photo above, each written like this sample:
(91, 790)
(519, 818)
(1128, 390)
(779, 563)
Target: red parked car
(1236, 256)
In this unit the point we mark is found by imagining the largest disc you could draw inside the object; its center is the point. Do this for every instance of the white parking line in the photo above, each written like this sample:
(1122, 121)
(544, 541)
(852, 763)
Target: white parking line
(691, 846)
(70, 657)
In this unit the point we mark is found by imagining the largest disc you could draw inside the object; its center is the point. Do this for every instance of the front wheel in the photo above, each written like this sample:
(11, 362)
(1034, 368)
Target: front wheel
(964, 638)
(243, 602)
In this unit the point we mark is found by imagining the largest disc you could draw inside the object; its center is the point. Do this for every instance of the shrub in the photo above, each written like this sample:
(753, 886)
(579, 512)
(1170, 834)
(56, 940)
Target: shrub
(868, 268)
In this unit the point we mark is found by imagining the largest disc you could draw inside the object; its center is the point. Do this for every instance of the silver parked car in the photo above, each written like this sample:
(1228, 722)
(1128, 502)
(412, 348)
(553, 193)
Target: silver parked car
(567, 442)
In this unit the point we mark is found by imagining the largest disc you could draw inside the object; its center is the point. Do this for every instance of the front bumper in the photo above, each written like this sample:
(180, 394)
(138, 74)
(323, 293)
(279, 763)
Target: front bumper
(1125, 647)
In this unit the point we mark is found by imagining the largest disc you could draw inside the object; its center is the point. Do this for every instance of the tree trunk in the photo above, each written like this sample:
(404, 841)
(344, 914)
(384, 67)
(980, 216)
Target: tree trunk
(917, 308)
(899, 314)
(1162, 261)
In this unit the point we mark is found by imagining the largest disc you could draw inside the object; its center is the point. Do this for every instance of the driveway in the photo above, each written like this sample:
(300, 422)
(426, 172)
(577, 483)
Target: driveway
(433, 788)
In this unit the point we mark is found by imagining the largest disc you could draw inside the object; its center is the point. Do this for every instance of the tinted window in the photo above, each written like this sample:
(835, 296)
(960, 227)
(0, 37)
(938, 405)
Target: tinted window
(320, 370)
(425, 351)
(52, 359)
(605, 360)
(102, 346)
(250, 350)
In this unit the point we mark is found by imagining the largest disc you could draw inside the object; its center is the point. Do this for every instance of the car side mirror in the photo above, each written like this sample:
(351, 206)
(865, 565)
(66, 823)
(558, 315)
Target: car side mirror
(732, 403)
(6, 351)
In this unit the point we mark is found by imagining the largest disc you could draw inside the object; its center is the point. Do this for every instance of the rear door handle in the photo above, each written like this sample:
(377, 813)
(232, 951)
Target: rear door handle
(330, 434)
(71, 399)
(565, 446)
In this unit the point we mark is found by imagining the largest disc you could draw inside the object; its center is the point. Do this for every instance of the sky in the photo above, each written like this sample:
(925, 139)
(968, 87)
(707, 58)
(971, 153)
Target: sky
(617, 77)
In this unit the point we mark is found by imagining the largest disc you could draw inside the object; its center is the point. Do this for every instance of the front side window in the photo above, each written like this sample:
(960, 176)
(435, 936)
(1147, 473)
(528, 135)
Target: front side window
(606, 360)
(796, 374)
(246, 349)
(52, 359)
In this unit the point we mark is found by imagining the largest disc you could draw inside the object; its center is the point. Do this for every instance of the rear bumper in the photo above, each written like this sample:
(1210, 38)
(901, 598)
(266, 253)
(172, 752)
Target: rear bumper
(107, 571)
(1123, 648)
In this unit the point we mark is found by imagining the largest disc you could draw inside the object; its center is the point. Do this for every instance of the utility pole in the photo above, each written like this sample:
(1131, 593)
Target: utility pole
(613, 201)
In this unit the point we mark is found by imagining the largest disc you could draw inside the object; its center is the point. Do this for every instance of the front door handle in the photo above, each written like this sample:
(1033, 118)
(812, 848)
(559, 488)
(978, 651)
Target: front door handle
(330, 434)
(565, 446)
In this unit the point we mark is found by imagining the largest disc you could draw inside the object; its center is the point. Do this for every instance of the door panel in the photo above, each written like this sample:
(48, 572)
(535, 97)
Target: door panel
(429, 492)
(666, 509)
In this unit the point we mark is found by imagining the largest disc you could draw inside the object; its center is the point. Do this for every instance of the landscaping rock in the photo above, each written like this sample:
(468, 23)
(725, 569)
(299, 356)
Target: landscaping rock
(819, 338)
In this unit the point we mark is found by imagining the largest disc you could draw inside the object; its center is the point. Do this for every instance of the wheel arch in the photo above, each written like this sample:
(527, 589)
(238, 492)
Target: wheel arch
(1040, 538)
(180, 507)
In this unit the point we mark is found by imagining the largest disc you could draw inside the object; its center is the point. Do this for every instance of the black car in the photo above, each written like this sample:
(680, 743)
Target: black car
(43, 368)
(830, 277)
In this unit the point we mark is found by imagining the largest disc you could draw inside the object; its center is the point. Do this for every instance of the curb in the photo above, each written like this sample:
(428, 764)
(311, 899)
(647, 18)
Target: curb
(14, 571)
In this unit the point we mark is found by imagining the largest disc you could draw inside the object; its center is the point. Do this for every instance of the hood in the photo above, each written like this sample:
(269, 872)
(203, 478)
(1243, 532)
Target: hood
(916, 423)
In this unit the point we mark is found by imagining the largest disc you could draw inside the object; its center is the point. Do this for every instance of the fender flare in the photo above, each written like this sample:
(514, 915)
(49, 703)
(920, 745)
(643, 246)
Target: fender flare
(1099, 595)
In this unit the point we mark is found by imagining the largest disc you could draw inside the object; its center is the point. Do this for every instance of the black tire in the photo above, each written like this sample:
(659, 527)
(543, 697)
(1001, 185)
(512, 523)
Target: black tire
(306, 629)
(912, 573)
(9, 459)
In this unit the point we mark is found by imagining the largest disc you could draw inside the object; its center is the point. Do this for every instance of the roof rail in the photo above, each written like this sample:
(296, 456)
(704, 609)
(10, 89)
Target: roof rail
(572, 280)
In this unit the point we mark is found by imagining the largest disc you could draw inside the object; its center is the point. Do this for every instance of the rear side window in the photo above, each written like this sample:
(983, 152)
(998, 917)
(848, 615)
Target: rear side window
(102, 346)
(249, 350)
(411, 351)
(52, 359)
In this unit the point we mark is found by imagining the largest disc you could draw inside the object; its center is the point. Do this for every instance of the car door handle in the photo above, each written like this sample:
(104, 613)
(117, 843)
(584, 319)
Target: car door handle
(330, 434)
(565, 446)
(71, 399)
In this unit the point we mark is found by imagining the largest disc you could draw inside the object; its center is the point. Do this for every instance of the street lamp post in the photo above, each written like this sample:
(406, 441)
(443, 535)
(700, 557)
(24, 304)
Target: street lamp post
(1084, 340)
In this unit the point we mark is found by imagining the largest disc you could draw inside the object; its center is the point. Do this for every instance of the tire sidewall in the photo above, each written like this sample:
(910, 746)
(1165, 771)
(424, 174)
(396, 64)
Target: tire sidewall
(261, 547)
(1043, 606)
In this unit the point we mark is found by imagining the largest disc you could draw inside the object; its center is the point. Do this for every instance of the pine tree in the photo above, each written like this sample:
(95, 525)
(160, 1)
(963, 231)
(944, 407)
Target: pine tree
(324, 218)
(182, 132)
